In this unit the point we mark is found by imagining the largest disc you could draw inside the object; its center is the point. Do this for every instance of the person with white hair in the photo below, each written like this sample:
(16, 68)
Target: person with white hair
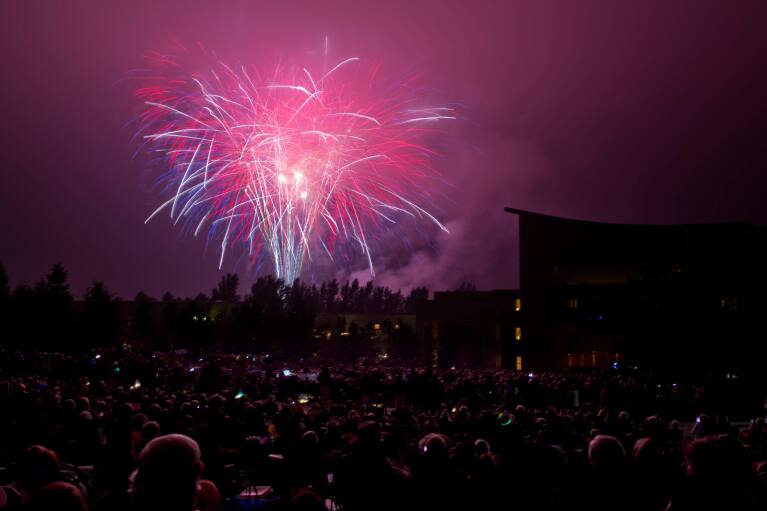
(168, 477)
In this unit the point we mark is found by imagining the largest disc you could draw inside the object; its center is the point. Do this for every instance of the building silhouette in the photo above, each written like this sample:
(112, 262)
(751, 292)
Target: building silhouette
(687, 298)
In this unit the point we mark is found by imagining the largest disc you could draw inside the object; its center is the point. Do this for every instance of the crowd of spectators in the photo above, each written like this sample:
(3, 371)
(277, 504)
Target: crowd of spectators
(175, 431)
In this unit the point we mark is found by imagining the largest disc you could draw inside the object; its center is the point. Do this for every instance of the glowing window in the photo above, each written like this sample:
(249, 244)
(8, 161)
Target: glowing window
(517, 304)
(518, 333)
(377, 326)
(518, 363)
(571, 303)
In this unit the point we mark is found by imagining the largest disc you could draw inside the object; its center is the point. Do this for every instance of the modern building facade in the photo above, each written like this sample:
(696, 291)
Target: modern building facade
(671, 297)
(472, 328)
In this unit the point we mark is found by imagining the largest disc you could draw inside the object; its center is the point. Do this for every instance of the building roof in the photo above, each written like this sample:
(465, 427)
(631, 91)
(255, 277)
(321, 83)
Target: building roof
(543, 216)
(587, 251)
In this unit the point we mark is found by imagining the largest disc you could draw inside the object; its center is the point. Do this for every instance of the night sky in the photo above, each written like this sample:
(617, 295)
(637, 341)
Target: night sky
(615, 111)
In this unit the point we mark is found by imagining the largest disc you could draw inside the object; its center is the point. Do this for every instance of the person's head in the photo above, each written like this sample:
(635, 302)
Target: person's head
(646, 452)
(703, 459)
(168, 474)
(69, 406)
(434, 447)
(481, 447)
(734, 462)
(217, 402)
(150, 430)
(307, 501)
(155, 410)
(761, 471)
(138, 421)
(59, 496)
(83, 403)
(606, 453)
(310, 439)
(368, 434)
(38, 466)
(125, 411)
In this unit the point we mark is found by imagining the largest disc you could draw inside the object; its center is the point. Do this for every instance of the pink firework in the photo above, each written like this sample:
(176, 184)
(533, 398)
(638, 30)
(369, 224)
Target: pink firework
(297, 163)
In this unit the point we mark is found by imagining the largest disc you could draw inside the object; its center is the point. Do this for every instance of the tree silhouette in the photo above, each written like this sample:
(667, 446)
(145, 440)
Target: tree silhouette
(169, 320)
(100, 326)
(52, 302)
(329, 296)
(5, 291)
(5, 294)
(417, 296)
(227, 289)
(266, 292)
(143, 326)
(273, 316)
(56, 283)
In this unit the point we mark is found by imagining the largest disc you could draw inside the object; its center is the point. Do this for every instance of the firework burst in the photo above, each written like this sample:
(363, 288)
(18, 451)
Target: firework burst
(295, 163)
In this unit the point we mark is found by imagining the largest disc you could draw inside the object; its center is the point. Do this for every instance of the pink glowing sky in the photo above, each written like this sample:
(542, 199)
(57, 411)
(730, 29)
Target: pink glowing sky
(620, 111)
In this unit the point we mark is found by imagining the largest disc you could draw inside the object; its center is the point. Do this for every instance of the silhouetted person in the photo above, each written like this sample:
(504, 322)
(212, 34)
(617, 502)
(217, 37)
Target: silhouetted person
(718, 476)
(38, 467)
(366, 479)
(58, 496)
(606, 486)
(307, 501)
(436, 483)
(168, 475)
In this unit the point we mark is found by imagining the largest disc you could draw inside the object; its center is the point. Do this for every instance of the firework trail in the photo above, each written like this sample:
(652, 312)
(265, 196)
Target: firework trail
(295, 163)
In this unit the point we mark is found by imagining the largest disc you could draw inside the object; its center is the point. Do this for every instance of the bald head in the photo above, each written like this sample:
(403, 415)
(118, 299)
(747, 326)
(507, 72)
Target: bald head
(606, 452)
(168, 473)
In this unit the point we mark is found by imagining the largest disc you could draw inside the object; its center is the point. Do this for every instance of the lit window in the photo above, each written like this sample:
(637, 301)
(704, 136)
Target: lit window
(377, 326)
(517, 304)
(518, 363)
(729, 303)
(593, 358)
(571, 303)
(518, 333)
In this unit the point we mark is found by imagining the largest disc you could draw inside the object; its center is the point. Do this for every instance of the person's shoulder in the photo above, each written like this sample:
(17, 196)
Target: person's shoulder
(10, 498)
(398, 470)
(114, 501)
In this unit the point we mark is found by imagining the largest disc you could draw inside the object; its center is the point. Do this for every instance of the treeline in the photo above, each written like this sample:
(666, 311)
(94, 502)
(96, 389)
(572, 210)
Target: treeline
(329, 296)
(272, 314)
(45, 317)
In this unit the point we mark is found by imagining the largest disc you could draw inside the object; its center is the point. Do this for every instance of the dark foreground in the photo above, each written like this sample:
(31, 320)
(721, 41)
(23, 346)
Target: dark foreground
(91, 433)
